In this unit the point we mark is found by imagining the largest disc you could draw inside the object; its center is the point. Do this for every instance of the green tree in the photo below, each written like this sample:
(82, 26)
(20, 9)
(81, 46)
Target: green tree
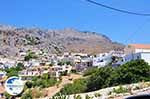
(27, 95)
(30, 55)
(100, 79)
(29, 84)
(130, 72)
(90, 71)
(77, 87)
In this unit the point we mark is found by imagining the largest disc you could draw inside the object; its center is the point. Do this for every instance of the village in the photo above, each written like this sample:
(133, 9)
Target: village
(37, 63)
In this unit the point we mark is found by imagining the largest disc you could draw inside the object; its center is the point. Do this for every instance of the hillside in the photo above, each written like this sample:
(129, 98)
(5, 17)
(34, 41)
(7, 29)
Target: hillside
(13, 40)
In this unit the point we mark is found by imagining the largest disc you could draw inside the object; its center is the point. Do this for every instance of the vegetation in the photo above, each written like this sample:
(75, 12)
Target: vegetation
(64, 73)
(131, 72)
(120, 90)
(27, 95)
(88, 97)
(97, 94)
(78, 86)
(43, 81)
(90, 71)
(32, 88)
(13, 71)
(7, 96)
(60, 96)
(74, 71)
(30, 55)
(64, 62)
(77, 97)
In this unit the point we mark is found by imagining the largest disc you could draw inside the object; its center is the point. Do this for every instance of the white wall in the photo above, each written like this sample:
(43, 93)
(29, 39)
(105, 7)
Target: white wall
(142, 50)
(102, 60)
(142, 55)
(132, 56)
(146, 57)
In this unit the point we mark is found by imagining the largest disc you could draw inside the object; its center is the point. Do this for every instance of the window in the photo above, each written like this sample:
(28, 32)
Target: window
(101, 60)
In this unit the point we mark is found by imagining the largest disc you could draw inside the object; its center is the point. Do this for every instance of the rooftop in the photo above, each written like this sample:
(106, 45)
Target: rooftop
(140, 46)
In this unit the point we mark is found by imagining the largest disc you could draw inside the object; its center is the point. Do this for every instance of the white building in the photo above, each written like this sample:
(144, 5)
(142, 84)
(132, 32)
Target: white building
(117, 53)
(83, 63)
(137, 51)
(102, 60)
(62, 68)
(135, 48)
(140, 55)
(7, 63)
(2, 74)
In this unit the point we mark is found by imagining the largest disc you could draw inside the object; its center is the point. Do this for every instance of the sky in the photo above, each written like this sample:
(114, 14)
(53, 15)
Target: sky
(81, 15)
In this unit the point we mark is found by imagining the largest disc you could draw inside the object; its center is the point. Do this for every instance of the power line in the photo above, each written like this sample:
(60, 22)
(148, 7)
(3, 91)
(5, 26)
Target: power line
(119, 10)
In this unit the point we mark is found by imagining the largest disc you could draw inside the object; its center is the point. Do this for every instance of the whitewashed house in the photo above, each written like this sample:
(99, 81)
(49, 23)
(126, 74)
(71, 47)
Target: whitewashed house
(140, 55)
(7, 63)
(83, 63)
(62, 68)
(102, 59)
(117, 53)
(137, 51)
(135, 48)
(32, 63)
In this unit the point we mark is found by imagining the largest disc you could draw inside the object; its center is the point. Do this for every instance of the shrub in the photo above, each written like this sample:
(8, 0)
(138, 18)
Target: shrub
(43, 81)
(30, 55)
(29, 84)
(78, 86)
(73, 71)
(97, 94)
(27, 95)
(77, 97)
(90, 71)
(7, 96)
(130, 72)
(88, 97)
(120, 90)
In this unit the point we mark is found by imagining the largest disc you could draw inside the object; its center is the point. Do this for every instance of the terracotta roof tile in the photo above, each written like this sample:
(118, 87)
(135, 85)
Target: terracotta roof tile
(140, 46)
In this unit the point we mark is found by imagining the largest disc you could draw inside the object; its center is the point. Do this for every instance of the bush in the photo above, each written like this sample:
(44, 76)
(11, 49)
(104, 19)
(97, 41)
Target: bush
(97, 94)
(88, 97)
(131, 72)
(29, 84)
(64, 73)
(13, 71)
(43, 81)
(27, 95)
(100, 79)
(30, 55)
(90, 71)
(77, 97)
(120, 90)
(7, 96)
(77, 87)
(73, 71)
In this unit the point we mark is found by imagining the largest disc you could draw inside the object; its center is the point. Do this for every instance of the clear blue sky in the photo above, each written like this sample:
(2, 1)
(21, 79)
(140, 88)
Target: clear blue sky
(79, 14)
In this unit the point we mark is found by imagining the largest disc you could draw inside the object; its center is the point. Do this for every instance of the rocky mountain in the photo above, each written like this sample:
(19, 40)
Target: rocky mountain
(14, 40)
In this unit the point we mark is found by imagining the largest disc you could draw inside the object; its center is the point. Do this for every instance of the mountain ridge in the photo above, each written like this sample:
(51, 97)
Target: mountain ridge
(13, 39)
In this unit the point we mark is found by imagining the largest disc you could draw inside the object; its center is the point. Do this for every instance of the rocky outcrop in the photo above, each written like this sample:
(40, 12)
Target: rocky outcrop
(13, 39)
